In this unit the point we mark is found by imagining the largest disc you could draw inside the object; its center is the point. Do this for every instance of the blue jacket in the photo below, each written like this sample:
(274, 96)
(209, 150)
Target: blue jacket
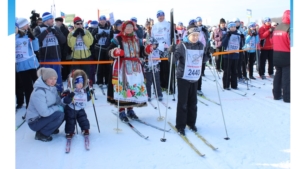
(247, 43)
(31, 63)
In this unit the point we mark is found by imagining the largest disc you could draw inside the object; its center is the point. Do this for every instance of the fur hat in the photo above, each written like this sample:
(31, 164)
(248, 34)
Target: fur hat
(77, 19)
(222, 20)
(46, 73)
(192, 29)
(22, 22)
(59, 19)
(46, 16)
(76, 78)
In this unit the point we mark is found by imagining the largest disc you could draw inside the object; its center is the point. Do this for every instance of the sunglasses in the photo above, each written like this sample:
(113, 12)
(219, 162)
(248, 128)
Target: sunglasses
(78, 23)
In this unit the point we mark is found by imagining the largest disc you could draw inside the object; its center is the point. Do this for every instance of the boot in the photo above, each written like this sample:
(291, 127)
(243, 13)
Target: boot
(42, 137)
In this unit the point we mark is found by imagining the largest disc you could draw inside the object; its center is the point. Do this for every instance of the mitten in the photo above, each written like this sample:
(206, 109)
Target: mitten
(76, 32)
(149, 48)
(30, 35)
(118, 52)
(68, 99)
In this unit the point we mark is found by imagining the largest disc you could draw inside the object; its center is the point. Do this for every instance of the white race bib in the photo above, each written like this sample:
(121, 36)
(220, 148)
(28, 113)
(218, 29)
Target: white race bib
(102, 40)
(234, 43)
(50, 40)
(79, 45)
(193, 64)
(153, 58)
(22, 49)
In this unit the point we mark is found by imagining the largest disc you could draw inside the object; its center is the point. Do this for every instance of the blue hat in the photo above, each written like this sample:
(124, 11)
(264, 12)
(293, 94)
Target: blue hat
(252, 25)
(236, 20)
(160, 13)
(199, 19)
(102, 17)
(118, 22)
(180, 24)
(79, 79)
(231, 24)
(46, 16)
(267, 19)
(133, 19)
(192, 21)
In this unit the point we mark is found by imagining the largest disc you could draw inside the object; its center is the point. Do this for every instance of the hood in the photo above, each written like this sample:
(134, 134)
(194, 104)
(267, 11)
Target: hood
(39, 83)
(76, 73)
(286, 17)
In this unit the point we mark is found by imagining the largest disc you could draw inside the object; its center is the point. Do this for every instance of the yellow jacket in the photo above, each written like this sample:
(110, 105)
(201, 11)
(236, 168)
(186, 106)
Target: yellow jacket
(80, 45)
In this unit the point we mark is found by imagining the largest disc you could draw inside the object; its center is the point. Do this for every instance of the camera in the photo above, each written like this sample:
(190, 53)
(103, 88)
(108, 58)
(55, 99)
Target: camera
(34, 17)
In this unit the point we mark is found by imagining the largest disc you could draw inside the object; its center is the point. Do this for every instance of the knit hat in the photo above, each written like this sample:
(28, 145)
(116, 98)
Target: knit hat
(192, 22)
(192, 29)
(180, 24)
(77, 19)
(93, 23)
(59, 19)
(199, 19)
(267, 19)
(46, 73)
(102, 17)
(133, 19)
(46, 16)
(160, 13)
(236, 20)
(79, 79)
(231, 24)
(22, 22)
(118, 22)
(222, 20)
(252, 25)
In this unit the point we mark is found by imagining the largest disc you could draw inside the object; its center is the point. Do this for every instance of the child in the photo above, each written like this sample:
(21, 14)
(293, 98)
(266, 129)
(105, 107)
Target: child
(189, 55)
(231, 42)
(75, 103)
(252, 41)
(152, 63)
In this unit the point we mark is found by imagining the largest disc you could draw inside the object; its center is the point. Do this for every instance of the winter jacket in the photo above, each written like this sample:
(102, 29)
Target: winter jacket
(249, 40)
(218, 36)
(44, 100)
(180, 55)
(31, 62)
(225, 43)
(265, 34)
(49, 50)
(80, 45)
(281, 42)
(103, 32)
(139, 33)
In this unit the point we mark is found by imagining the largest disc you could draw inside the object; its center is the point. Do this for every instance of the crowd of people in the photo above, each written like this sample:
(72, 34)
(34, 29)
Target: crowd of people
(136, 51)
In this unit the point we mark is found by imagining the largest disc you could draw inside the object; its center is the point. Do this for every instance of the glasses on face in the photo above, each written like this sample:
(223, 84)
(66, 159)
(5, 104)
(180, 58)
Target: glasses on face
(78, 23)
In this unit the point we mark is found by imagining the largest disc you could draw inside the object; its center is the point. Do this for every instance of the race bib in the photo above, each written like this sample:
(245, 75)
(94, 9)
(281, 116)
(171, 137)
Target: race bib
(234, 43)
(193, 64)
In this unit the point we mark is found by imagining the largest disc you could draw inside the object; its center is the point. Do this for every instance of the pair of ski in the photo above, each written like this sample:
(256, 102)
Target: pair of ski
(204, 97)
(143, 122)
(191, 145)
(86, 143)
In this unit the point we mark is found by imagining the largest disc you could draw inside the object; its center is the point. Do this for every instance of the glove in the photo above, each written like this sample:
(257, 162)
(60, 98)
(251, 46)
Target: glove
(172, 48)
(271, 30)
(103, 34)
(68, 99)
(118, 52)
(254, 34)
(229, 33)
(30, 35)
(49, 29)
(64, 93)
(76, 32)
(242, 36)
(81, 31)
(149, 48)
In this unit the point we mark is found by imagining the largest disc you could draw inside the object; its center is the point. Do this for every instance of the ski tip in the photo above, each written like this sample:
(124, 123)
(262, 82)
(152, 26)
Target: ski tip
(146, 137)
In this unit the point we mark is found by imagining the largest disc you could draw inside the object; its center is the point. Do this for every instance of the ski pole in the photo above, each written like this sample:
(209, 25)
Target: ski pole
(92, 93)
(71, 83)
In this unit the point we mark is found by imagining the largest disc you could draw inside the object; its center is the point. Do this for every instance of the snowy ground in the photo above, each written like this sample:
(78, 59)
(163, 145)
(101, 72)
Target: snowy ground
(257, 125)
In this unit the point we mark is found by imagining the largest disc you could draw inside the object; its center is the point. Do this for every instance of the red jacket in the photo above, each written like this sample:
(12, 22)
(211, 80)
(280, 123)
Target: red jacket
(264, 33)
(281, 42)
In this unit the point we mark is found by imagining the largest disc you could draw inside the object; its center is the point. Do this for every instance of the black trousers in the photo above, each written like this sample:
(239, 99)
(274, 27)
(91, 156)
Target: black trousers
(199, 85)
(241, 67)
(85, 68)
(282, 83)
(103, 69)
(28, 78)
(219, 60)
(266, 55)
(250, 62)
(19, 90)
(71, 116)
(230, 73)
(164, 75)
(187, 104)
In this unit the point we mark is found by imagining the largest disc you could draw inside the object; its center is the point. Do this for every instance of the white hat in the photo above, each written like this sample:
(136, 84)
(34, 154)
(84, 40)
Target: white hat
(22, 22)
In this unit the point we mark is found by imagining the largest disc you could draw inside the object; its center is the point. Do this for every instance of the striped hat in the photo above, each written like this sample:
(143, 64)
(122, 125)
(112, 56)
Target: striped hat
(22, 22)
(46, 16)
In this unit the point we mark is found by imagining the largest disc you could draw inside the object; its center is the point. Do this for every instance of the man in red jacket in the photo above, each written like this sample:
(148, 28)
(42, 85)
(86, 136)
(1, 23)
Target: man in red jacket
(282, 55)
(266, 47)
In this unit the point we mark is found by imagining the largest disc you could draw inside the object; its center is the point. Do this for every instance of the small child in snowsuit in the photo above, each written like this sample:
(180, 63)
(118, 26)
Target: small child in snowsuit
(75, 101)
(151, 66)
